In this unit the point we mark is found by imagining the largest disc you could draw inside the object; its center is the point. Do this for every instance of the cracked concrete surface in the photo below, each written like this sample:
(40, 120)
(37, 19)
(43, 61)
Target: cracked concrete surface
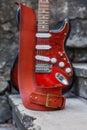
(73, 117)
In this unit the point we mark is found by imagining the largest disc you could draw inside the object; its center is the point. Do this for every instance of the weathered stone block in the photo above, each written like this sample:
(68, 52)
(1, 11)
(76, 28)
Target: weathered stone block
(81, 87)
(3, 87)
(80, 55)
(80, 70)
(72, 116)
(7, 127)
(5, 111)
(77, 55)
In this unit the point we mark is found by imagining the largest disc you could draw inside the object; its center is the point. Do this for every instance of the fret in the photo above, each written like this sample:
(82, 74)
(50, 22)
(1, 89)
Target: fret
(43, 9)
(42, 1)
(41, 30)
(45, 20)
(44, 6)
(43, 16)
(43, 27)
(44, 12)
(40, 23)
(43, 23)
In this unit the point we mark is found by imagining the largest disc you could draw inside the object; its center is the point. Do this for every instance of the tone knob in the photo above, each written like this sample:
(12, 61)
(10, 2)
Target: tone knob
(61, 64)
(53, 60)
(68, 70)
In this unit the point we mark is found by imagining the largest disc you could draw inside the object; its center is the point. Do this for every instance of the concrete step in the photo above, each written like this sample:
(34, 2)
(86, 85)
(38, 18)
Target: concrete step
(7, 126)
(73, 117)
(80, 69)
(80, 79)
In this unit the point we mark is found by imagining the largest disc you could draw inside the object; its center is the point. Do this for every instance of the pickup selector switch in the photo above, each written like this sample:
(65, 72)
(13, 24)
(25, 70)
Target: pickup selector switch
(61, 64)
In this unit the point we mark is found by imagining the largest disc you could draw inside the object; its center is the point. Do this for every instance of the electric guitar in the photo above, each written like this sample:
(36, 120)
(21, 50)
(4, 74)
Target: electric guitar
(52, 66)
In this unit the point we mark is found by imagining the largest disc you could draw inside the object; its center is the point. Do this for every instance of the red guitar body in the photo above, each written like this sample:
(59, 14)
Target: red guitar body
(57, 52)
(33, 96)
(61, 70)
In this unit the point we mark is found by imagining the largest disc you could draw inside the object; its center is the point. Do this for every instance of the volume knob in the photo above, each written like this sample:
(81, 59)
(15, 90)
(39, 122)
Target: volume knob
(68, 70)
(53, 60)
(61, 64)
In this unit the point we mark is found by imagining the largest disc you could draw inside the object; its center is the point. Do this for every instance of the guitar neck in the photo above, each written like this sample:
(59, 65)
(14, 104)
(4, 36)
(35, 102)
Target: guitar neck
(43, 16)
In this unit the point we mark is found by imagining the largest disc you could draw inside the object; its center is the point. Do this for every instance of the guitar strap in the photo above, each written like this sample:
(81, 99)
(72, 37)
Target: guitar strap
(32, 96)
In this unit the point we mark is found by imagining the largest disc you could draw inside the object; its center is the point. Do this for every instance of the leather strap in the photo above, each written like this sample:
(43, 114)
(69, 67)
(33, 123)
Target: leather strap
(47, 100)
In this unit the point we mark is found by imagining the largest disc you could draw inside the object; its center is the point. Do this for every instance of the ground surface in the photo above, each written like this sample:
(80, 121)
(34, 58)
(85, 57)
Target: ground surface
(73, 117)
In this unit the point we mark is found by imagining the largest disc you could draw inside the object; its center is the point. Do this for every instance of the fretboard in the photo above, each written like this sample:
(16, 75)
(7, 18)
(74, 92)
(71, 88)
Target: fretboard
(43, 16)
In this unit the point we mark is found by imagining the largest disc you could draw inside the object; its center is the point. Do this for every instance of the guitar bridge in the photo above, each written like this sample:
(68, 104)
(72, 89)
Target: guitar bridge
(43, 68)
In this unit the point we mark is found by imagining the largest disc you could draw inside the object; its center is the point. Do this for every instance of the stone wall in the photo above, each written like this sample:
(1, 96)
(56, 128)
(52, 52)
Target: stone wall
(74, 10)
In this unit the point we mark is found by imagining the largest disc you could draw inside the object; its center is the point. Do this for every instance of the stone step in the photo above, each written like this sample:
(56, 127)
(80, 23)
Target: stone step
(7, 127)
(80, 79)
(80, 69)
(73, 117)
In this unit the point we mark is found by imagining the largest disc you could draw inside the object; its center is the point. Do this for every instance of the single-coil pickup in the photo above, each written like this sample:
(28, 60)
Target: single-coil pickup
(43, 47)
(46, 59)
(42, 58)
